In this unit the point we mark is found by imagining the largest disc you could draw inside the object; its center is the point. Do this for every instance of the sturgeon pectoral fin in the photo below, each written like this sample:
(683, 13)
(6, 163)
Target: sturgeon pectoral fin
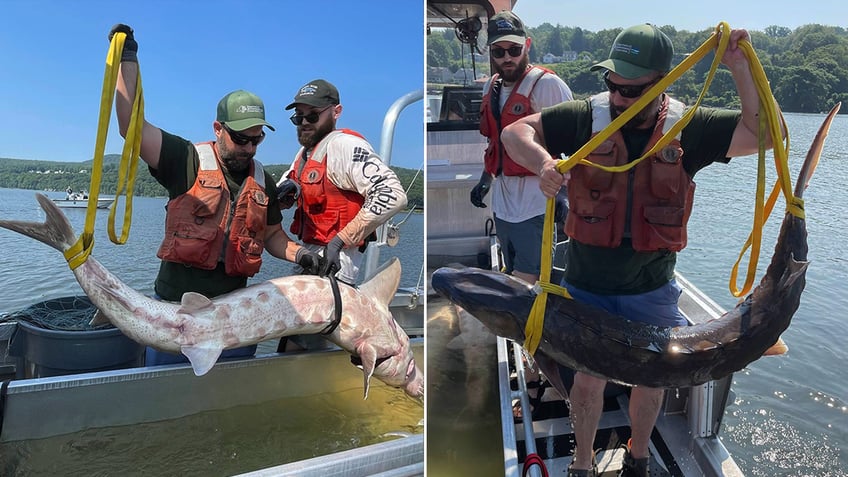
(99, 319)
(777, 349)
(368, 356)
(202, 359)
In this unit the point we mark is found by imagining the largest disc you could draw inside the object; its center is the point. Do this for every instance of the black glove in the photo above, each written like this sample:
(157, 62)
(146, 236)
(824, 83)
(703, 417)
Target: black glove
(331, 255)
(287, 193)
(309, 261)
(130, 45)
(560, 206)
(480, 190)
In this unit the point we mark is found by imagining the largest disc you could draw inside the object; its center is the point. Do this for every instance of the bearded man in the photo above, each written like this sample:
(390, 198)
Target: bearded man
(341, 188)
(222, 210)
(516, 90)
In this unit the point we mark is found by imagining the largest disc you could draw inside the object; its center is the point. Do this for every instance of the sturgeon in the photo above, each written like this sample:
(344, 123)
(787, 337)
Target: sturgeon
(593, 341)
(200, 327)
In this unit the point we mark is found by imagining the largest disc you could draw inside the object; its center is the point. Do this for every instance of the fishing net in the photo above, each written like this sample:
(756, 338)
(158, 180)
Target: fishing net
(70, 313)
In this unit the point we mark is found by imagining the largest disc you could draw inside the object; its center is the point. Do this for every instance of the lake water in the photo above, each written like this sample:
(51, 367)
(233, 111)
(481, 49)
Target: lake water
(31, 272)
(790, 413)
(213, 443)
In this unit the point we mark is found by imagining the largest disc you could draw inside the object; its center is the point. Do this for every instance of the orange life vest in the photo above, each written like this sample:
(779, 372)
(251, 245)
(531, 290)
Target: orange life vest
(496, 159)
(662, 192)
(323, 209)
(198, 221)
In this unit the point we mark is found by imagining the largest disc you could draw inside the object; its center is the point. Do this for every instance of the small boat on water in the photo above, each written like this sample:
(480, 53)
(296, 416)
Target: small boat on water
(122, 392)
(79, 200)
(686, 439)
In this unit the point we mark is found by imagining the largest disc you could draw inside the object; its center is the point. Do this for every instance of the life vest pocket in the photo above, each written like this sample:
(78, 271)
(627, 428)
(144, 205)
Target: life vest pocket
(192, 245)
(244, 257)
(662, 228)
(320, 229)
(666, 177)
(594, 224)
(259, 206)
(593, 177)
(204, 201)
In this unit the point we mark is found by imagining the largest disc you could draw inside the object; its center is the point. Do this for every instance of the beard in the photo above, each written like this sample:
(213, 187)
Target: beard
(643, 116)
(234, 161)
(310, 135)
(515, 74)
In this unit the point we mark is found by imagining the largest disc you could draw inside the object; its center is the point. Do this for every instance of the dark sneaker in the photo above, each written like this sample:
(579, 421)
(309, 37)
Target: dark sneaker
(632, 467)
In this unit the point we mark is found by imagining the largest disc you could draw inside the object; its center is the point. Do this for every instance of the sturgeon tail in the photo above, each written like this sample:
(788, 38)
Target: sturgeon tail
(55, 231)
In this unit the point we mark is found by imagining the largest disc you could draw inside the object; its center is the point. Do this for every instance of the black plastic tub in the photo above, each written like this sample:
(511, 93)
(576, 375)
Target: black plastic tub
(42, 351)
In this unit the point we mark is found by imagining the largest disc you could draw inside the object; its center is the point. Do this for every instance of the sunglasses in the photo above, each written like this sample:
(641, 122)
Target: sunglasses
(311, 118)
(242, 139)
(628, 90)
(514, 51)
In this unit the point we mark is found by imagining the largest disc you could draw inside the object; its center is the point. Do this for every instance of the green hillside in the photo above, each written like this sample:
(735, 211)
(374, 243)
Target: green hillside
(57, 176)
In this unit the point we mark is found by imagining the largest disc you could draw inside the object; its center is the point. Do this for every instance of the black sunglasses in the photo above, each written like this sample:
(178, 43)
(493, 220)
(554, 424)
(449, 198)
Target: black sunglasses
(242, 139)
(514, 51)
(311, 118)
(628, 90)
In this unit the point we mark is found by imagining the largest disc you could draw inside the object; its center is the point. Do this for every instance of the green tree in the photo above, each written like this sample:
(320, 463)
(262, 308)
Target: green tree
(804, 89)
(775, 31)
(555, 42)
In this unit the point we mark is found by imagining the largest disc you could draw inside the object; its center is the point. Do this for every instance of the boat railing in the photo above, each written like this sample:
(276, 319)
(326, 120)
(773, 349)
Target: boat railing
(372, 253)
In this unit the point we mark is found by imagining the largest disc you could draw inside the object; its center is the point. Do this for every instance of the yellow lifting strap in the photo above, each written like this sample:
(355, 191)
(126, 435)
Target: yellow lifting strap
(768, 112)
(79, 252)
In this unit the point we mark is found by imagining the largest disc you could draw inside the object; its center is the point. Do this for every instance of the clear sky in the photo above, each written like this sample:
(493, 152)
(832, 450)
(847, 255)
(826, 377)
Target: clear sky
(595, 15)
(193, 52)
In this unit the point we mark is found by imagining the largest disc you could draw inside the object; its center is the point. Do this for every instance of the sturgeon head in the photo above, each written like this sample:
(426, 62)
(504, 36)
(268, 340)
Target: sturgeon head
(200, 327)
(370, 333)
(590, 340)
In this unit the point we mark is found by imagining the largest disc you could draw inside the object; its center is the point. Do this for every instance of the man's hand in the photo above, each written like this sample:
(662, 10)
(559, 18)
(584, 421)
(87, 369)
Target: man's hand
(287, 193)
(480, 190)
(309, 261)
(130, 52)
(331, 255)
(734, 57)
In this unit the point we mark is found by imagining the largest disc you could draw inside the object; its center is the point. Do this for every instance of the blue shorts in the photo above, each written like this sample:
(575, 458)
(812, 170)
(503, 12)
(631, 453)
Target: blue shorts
(521, 244)
(656, 307)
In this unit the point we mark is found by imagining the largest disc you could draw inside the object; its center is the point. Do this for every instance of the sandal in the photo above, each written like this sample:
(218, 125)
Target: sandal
(633, 467)
(593, 472)
(535, 402)
(582, 472)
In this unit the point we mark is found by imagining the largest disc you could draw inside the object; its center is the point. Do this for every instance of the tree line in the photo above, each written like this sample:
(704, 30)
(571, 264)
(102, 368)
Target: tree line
(806, 67)
(58, 176)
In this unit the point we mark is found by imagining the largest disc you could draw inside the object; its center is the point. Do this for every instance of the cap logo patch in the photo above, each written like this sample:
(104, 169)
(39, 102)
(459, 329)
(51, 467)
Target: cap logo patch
(626, 49)
(307, 90)
(250, 109)
(503, 24)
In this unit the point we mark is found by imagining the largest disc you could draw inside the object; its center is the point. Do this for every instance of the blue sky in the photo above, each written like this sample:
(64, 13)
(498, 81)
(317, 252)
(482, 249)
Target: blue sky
(191, 53)
(594, 15)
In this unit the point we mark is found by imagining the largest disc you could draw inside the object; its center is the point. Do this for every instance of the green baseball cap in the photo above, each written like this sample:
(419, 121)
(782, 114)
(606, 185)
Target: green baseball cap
(638, 51)
(506, 26)
(242, 110)
(318, 93)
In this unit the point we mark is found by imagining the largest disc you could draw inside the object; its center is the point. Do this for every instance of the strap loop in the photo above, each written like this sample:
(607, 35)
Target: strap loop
(80, 251)
(771, 121)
